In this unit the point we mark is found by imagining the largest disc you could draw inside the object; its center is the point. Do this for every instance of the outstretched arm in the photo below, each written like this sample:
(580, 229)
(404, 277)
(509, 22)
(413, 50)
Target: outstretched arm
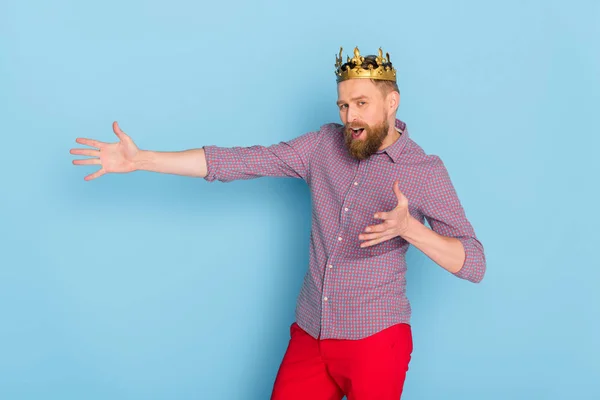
(284, 159)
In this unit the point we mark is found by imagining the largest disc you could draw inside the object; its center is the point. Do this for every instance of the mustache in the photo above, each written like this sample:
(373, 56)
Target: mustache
(356, 125)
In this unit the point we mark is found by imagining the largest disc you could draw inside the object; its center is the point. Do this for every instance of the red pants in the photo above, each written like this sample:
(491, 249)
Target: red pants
(328, 369)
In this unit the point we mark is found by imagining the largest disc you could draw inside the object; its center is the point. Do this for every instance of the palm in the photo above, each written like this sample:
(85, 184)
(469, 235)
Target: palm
(112, 157)
(118, 157)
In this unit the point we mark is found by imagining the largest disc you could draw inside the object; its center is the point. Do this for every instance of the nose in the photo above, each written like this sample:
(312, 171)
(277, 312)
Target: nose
(351, 114)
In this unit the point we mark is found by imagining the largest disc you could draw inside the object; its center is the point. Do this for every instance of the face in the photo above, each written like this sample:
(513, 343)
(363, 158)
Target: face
(366, 113)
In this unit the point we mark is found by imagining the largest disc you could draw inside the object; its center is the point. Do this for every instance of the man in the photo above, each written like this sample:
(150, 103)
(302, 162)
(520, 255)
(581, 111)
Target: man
(372, 187)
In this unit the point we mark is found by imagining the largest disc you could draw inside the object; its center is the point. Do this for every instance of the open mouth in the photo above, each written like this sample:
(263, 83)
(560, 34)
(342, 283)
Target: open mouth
(356, 132)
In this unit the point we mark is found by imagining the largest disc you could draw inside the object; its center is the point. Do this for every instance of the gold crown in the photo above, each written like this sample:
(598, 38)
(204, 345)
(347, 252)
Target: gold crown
(387, 72)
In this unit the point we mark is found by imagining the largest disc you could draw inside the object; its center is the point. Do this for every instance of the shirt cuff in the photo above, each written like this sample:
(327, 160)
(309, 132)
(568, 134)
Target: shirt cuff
(473, 267)
(211, 163)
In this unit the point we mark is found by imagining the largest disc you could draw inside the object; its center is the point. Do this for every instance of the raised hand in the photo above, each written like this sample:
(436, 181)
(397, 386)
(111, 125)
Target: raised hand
(116, 157)
(395, 222)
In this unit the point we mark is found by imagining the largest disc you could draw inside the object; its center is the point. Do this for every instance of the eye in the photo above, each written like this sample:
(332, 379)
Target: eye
(362, 103)
(342, 106)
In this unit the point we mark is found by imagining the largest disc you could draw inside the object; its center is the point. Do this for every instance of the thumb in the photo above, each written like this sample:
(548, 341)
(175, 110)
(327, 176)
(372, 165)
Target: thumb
(402, 200)
(120, 134)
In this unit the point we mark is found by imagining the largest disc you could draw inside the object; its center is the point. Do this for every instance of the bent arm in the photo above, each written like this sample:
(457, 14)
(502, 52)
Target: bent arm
(447, 252)
(446, 216)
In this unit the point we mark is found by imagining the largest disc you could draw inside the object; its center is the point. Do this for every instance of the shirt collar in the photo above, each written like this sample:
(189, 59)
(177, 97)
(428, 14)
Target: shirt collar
(395, 149)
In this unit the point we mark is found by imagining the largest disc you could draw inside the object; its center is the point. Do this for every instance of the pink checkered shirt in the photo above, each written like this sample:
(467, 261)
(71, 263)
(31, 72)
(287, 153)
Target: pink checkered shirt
(351, 292)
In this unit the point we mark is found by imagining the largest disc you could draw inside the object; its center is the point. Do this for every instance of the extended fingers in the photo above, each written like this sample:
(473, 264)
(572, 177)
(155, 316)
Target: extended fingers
(90, 142)
(86, 152)
(381, 238)
(95, 175)
(87, 161)
(367, 236)
(385, 225)
(375, 231)
(382, 215)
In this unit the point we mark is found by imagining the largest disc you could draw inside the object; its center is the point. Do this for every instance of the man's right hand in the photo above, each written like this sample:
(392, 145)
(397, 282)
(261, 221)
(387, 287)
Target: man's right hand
(116, 157)
(124, 156)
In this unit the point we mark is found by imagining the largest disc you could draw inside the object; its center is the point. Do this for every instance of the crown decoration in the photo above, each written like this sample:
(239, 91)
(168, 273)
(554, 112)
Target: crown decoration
(382, 72)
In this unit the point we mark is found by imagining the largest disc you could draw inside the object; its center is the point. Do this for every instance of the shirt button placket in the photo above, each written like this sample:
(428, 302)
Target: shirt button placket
(326, 298)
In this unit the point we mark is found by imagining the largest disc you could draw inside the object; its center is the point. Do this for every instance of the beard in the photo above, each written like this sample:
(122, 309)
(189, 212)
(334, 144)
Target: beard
(363, 149)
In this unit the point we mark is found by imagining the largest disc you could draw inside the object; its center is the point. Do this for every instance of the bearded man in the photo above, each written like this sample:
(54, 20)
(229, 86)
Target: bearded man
(372, 187)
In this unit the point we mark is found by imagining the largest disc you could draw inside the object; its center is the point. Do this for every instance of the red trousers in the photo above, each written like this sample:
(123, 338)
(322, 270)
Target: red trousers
(328, 369)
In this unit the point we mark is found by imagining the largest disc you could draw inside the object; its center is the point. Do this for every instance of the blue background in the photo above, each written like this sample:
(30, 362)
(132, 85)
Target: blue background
(150, 286)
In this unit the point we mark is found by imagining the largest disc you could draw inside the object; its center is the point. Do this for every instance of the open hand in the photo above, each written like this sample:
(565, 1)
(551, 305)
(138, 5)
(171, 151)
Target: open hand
(112, 157)
(395, 222)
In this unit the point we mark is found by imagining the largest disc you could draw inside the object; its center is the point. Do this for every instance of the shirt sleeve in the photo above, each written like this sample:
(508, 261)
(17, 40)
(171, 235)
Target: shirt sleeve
(284, 159)
(446, 216)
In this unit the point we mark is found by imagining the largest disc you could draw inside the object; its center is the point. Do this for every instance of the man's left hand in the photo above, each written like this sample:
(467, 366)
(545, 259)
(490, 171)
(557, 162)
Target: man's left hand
(395, 222)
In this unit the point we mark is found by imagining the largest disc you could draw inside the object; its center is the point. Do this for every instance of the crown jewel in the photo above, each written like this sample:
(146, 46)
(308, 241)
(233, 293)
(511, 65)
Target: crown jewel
(383, 70)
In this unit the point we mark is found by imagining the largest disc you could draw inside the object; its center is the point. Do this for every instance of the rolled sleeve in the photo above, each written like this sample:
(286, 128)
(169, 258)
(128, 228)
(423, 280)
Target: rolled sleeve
(284, 159)
(473, 268)
(446, 216)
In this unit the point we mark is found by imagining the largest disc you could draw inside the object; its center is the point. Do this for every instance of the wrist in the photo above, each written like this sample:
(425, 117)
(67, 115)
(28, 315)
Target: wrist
(411, 229)
(142, 160)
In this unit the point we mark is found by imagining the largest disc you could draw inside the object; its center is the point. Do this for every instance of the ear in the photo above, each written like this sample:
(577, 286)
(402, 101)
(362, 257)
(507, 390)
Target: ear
(393, 101)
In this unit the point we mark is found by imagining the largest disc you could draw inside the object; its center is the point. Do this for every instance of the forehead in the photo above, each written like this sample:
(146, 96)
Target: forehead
(353, 88)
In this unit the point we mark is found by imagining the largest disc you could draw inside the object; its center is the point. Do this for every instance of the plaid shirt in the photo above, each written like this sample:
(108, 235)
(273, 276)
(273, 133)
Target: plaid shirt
(351, 292)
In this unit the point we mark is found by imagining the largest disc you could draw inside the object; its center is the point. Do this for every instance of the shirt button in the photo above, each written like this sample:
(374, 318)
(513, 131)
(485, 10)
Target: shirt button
(325, 298)
(339, 238)
(355, 183)
(346, 209)
(330, 266)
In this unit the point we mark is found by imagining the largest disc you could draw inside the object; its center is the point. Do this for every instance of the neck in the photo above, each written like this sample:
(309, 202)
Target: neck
(390, 138)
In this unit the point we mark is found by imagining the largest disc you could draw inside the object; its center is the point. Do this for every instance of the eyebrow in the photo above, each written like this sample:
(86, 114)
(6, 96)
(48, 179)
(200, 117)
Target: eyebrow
(352, 99)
